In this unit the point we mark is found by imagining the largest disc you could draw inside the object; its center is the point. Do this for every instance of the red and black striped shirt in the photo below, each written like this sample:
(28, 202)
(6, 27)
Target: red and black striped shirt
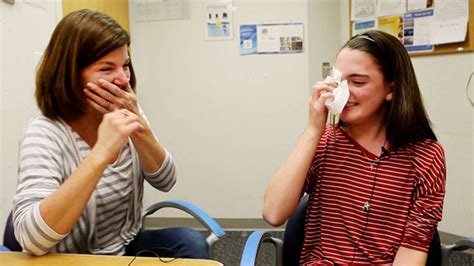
(402, 191)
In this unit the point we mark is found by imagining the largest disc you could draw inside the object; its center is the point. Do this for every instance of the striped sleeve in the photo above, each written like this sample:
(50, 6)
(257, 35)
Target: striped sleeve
(428, 197)
(311, 177)
(165, 177)
(39, 175)
(36, 237)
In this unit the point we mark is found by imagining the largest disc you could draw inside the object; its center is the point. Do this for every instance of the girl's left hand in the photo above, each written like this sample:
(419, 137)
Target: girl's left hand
(106, 97)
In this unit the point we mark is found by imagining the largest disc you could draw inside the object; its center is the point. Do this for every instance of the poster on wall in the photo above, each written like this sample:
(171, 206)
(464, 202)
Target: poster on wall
(418, 4)
(283, 38)
(390, 7)
(450, 21)
(359, 27)
(248, 39)
(218, 21)
(416, 31)
(392, 25)
(419, 24)
(155, 10)
(363, 9)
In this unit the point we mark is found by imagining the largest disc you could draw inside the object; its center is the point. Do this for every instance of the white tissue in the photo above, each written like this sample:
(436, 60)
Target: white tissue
(341, 93)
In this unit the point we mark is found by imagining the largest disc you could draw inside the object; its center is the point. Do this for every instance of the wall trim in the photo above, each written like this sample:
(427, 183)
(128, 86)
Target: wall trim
(225, 223)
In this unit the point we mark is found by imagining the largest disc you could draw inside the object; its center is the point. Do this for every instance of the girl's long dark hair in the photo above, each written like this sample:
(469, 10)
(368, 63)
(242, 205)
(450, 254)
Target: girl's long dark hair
(405, 116)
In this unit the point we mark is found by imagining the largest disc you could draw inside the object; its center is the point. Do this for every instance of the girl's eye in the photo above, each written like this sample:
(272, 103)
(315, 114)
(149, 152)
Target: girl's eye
(358, 83)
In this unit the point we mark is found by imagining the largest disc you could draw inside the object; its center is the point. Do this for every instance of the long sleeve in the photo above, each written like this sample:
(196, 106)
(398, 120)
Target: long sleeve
(428, 196)
(39, 175)
(165, 178)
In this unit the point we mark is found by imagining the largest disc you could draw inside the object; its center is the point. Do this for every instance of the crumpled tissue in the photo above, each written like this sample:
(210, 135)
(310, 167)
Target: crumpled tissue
(341, 93)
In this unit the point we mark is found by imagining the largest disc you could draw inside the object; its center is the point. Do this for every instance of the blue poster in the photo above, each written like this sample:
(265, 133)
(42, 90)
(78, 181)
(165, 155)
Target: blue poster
(248, 39)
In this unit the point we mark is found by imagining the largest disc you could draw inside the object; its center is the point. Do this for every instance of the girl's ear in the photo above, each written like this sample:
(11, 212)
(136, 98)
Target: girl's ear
(389, 90)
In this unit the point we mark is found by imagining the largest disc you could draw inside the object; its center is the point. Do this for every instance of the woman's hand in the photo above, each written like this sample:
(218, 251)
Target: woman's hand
(106, 97)
(317, 110)
(114, 131)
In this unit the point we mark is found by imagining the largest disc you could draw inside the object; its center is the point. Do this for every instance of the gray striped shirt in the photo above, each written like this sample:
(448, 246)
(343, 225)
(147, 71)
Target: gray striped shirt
(49, 152)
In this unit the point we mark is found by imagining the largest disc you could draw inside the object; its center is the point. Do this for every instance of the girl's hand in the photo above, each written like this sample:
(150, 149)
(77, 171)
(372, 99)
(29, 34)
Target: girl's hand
(106, 97)
(317, 110)
(114, 130)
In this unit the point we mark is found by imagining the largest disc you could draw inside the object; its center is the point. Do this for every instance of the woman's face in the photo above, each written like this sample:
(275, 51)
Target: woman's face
(113, 67)
(368, 90)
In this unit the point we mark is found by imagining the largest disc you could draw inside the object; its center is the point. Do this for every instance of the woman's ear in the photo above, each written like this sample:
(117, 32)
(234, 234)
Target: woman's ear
(389, 90)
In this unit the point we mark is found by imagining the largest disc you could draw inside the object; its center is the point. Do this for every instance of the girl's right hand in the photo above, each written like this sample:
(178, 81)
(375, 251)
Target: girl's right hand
(114, 131)
(317, 110)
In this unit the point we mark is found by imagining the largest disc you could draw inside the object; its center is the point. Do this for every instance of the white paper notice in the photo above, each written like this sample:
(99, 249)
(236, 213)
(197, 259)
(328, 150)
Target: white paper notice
(417, 4)
(450, 31)
(450, 24)
(422, 32)
(391, 7)
(362, 9)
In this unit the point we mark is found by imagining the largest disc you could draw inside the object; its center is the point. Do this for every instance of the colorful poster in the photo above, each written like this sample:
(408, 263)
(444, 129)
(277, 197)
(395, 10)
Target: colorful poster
(362, 26)
(281, 38)
(392, 25)
(218, 21)
(416, 28)
(248, 39)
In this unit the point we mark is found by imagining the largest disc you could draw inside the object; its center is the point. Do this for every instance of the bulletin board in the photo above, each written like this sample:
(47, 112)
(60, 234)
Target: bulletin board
(117, 9)
(467, 45)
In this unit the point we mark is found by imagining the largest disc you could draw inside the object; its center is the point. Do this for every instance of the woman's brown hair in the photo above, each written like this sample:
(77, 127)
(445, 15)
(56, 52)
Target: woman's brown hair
(80, 38)
(405, 115)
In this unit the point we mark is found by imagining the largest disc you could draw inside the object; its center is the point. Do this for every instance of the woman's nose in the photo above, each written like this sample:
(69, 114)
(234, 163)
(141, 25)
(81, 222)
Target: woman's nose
(122, 77)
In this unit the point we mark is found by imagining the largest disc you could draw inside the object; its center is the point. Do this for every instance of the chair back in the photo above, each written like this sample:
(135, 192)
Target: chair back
(9, 239)
(294, 234)
(294, 237)
(434, 252)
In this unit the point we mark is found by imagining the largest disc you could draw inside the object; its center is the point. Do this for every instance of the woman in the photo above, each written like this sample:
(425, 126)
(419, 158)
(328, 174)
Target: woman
(376, 180)
(84, 160)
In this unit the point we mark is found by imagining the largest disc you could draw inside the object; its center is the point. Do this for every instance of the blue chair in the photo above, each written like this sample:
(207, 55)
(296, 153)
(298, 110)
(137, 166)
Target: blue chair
(215, 230)
(288, 251)
(9, 240)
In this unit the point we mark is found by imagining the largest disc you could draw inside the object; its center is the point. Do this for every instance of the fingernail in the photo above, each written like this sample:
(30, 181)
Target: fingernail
(102, 80)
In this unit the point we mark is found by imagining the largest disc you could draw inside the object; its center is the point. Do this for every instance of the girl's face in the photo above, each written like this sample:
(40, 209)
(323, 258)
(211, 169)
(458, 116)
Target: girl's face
(113, 67)
(367, 87)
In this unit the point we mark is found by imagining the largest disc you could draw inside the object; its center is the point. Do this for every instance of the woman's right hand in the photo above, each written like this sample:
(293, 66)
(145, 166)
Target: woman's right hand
(317, 110)
(114, 131)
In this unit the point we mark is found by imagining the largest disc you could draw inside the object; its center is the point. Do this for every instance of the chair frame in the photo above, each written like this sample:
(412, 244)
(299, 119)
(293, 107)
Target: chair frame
(216, 231)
